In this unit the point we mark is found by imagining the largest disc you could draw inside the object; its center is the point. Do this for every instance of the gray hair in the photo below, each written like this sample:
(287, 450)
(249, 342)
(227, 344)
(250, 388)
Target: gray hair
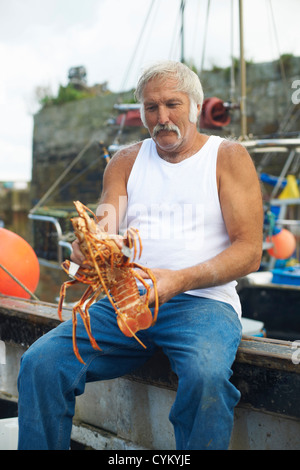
(187, 80)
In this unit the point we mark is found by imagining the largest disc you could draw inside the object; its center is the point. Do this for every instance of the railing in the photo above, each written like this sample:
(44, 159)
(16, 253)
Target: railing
(61, 243)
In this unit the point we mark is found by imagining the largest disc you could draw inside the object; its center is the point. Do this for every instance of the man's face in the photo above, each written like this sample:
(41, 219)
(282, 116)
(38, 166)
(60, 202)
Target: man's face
(166, 113)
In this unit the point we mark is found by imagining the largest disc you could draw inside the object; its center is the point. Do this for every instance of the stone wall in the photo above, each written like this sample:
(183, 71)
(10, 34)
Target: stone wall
(61, 132)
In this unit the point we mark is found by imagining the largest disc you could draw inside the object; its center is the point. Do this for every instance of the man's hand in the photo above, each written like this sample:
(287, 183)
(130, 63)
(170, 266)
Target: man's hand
(76, 255)
(168, 284)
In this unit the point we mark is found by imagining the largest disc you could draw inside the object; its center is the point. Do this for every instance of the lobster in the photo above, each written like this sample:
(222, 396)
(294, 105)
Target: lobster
(109, 270)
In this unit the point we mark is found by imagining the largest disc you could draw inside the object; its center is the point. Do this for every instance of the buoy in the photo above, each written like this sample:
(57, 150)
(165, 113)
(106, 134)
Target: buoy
(284, 244)
(19, 259)
(214, 114)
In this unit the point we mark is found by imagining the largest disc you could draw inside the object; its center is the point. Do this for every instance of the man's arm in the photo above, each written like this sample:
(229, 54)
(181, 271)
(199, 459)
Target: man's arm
(241, 204)
(113, 200)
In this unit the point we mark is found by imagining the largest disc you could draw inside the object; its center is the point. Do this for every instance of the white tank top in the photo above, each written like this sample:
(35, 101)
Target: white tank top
(176, 208)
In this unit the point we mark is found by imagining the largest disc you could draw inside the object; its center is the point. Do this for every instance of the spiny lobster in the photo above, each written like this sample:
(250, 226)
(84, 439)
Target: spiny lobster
(108, 269)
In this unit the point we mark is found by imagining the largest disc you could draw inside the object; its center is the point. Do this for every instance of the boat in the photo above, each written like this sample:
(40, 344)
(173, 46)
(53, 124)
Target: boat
(131, 413)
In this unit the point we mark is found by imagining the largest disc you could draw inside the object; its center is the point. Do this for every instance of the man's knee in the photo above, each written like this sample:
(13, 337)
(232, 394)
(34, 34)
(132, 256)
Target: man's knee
(208, 374)
(38, 362)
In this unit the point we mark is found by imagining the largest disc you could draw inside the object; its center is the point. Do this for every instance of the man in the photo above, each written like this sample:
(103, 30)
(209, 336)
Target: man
(197, 204)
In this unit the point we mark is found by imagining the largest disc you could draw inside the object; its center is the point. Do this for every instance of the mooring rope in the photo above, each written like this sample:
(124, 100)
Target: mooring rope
(19, 282)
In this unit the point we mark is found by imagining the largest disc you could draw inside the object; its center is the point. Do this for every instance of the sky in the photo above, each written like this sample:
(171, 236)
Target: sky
(114, 39)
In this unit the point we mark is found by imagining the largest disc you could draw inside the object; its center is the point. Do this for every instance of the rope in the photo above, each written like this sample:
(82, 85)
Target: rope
(61, 177)
(105, 155)
(129, 68)
(281, 64)
(19, 282)
(205, 36)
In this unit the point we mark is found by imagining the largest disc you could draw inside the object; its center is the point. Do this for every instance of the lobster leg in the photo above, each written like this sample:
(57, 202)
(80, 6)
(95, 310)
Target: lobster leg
(75, 347)
(86, 317)
(132, 236)
(147, 287)
(83, 312)
(63, 296)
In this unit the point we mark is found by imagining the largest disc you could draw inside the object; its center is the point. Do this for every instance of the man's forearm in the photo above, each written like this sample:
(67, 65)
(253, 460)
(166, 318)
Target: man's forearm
(236, 261)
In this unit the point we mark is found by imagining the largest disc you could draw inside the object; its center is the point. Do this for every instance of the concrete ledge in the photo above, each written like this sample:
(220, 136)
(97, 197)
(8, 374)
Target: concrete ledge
(264, 370)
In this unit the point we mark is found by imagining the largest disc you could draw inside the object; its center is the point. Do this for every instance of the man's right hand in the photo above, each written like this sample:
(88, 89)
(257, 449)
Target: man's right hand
(76, 255)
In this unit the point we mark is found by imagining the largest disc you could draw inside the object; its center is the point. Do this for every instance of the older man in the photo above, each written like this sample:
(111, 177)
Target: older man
(197, 204)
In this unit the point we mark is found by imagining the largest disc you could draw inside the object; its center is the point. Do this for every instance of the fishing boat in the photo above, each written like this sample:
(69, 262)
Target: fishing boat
(131, 413)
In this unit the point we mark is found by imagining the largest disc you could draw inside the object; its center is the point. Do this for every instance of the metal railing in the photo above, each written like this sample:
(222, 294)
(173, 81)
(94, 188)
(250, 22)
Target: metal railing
(61, 243)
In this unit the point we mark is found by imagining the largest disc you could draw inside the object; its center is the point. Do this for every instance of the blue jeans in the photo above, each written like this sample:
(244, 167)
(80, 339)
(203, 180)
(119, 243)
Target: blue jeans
(200, 336)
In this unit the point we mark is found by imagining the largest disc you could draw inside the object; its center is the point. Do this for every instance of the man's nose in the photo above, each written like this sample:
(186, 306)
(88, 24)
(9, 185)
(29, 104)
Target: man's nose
(163, 115)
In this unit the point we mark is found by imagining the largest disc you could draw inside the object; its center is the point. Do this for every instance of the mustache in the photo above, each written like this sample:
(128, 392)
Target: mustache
(166, 127)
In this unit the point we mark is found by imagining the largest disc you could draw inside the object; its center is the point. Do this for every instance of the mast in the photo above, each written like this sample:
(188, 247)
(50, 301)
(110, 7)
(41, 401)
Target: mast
(242, 75)
(232, 78)
(182, 6)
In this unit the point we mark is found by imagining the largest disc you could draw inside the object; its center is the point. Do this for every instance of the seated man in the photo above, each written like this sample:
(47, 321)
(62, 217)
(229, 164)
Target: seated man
(196, 201)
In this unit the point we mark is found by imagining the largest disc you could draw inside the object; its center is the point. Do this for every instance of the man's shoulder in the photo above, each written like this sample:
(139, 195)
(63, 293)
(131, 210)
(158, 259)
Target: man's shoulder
(127, 152)
(231, 145)
(123, 160)
(232, 151)
(233, 158)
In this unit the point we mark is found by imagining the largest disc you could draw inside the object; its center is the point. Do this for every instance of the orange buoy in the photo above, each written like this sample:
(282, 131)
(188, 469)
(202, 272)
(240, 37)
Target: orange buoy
(19, 259)
(284, 244)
